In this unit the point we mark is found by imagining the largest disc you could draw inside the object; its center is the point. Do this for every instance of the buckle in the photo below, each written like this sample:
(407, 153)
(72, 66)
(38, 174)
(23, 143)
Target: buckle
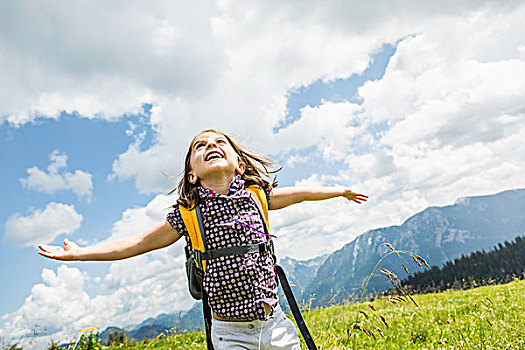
(264, 247)
(197, 254)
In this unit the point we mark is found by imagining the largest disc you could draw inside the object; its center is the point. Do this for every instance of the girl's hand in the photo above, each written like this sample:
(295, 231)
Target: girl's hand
(68, 252)
(356, 197)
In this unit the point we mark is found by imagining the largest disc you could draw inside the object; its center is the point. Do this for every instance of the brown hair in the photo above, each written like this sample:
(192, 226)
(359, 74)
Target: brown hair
(253, 175)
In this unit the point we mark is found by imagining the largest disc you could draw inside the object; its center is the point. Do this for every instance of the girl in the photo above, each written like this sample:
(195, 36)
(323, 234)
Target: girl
(241, 289)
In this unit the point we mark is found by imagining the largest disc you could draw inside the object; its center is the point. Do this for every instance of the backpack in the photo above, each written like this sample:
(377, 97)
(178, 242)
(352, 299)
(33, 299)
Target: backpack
(196, 264)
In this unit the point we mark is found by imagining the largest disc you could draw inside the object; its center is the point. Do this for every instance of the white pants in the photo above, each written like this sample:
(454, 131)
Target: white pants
(277, 332)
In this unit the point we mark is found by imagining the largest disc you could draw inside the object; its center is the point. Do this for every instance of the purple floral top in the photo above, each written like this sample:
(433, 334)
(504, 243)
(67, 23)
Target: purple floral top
(237, 285)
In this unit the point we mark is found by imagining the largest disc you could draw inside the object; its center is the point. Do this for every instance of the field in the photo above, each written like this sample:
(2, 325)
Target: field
(490, 317)
(482, 318)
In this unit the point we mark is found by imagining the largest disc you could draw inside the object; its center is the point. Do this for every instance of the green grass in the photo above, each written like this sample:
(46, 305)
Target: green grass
(490, 317)
(180, 341)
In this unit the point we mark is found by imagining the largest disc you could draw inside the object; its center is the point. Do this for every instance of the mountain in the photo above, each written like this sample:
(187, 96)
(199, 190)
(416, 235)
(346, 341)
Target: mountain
(193, 320)
(152, 327)
(111, 334)
(437, 234)
(300, 273)
(148, 329)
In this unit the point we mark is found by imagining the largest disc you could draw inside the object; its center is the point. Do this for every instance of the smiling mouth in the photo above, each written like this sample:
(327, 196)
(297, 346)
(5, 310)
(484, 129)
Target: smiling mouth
(214, 155)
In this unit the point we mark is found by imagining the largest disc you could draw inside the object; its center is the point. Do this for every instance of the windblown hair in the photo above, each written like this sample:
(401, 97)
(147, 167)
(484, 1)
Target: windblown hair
(253, 175)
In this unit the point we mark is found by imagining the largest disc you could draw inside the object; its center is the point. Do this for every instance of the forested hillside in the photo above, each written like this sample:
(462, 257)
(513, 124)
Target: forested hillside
(503, 264)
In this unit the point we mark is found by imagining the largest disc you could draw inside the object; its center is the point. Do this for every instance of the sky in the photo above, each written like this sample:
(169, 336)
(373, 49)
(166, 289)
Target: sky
(414, 103)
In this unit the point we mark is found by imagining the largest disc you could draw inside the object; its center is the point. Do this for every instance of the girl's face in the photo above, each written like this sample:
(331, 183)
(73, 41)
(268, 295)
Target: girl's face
(212, 155)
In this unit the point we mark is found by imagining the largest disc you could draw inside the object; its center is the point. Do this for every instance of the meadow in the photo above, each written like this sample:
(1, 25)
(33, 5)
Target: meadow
(490, 317)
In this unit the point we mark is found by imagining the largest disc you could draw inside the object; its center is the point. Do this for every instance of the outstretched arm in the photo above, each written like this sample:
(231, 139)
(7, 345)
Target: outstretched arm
(283, 197)
(157, 237)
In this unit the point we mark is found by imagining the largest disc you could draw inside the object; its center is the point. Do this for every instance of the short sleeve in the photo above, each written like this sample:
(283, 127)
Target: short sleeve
(175, 219)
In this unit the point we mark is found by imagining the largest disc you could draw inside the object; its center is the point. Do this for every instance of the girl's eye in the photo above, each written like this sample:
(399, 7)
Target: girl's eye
(221, 141)
(199, 145)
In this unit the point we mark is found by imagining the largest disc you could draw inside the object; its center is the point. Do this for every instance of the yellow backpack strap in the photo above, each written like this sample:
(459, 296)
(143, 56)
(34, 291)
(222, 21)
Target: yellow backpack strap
(262, 205)
(195, 229)
(260, 195)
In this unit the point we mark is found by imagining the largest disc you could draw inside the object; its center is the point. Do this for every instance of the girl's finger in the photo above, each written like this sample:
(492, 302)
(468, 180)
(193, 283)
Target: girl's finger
(46, 248)
(46, 254)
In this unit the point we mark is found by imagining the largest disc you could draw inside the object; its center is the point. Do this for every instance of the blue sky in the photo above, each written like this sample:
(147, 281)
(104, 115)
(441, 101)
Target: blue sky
(412, 105)
(91, 146)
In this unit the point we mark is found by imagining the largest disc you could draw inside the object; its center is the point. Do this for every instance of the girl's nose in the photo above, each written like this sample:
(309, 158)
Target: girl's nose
(211, 144)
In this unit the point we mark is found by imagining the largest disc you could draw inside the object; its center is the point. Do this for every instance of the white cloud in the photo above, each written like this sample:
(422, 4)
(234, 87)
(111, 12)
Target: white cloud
(315, 228)
(59, 61)
(131, 291)
(431, 125)
(222, 80)
(42, 226)
(147, 167)
(335, 128)
(451, 102)
(250, 98)
(151, 283)
(137, 220)
(63, 294)
(465, 108)
(52, 181)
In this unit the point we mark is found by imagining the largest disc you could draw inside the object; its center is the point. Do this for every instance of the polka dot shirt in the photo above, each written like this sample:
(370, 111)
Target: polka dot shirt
(237, 285)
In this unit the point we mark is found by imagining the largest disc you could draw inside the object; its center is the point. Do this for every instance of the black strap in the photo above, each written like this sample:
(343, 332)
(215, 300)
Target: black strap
(237, 250)
(198, 214)
(206, 310)
(295, 309)
(287, 290)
